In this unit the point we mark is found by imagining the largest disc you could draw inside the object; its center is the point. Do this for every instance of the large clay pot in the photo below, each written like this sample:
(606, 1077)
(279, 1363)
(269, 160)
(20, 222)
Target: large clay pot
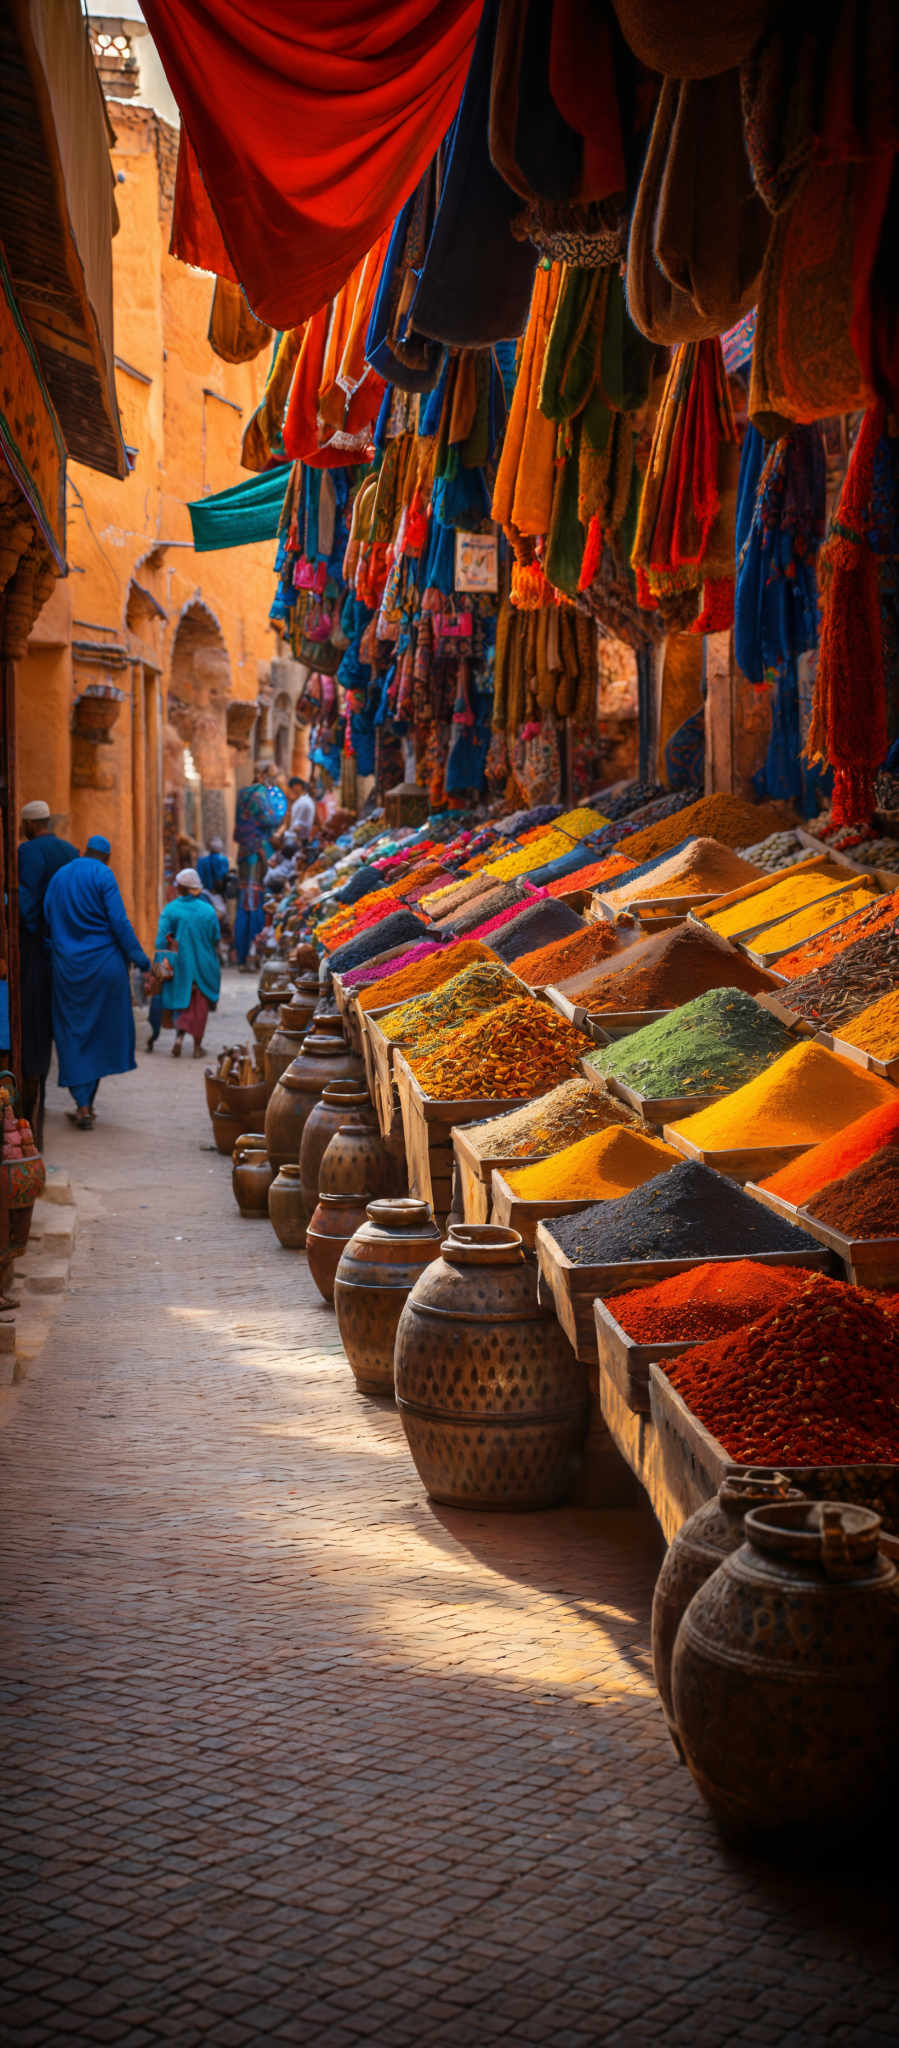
(213, 1088)
(275, 988)
(493, 1401)
(337, 1100)
(243, 1098)
(711, 1534)
(285, 1208)
(376, 1272)
(294, 1019)
(229, 1124)
(328, 1018)
(785, 1675)
(294, 1096)
(251, 1177)
(304, 959)
(334, 1220)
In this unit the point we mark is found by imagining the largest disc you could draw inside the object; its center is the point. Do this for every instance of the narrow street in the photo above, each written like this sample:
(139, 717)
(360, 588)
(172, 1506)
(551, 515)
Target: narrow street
(292, 1755)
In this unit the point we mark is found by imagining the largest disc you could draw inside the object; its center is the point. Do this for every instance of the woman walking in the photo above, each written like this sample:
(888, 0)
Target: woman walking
(188, 938)
(91, 942)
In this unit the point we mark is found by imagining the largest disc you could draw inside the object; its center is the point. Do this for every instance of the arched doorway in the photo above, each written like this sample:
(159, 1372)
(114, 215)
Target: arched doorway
(199, 688)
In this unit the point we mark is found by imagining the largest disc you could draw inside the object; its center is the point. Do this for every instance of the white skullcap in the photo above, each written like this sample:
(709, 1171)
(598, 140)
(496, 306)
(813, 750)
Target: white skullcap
(37, 809)
(187, 878)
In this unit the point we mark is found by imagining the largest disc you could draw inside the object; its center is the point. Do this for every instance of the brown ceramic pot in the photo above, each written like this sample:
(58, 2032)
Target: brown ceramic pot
(251, 1178)
(285, 1208)
(711, 1534)
(239, 1097)
(492, 1399)
(785, 1675)
(336, 1103)
(328, 1018)
(228, 1125)
(304, 959)
(294, 1096)
(213, 1088)
(334, 1221)
(294, 1019)
(376, 1272)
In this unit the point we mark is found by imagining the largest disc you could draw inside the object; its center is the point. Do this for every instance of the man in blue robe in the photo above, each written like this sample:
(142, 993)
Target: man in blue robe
(91, 942)
(40, 854)
(212, 868)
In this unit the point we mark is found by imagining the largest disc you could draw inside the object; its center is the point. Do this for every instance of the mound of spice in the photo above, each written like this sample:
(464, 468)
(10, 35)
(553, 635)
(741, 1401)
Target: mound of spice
(381, 937)
(433, 971)
(846, 985)
(824, 915)
(688, 1212)
(705, 1301)
(501, 918)
(795, 892)
(581, 949)
(866, 1202)
(537, 924)
(806, 1096)
(359, 977)
(876, 1028)
(836, 1156)
(702, 867)
(427, 1019)
(591, 877)
(663, 971)
(511, 1050)
(566, 1113)
(716, 1042)
(816, 952)
(442, 902)
(581, 822)
(814, 1382)
(598, 1168)
(504, 897)
(546, 847)
(729, 819)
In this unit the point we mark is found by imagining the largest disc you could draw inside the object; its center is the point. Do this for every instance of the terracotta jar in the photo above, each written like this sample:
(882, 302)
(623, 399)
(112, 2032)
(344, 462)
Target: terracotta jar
(294, 1096)
(304, 959)
(334, 1220)
(285, 1208)
(328, 1018)
(273, 991)
(251, 1178)
(337, 1100)
(230, 1124)
(356, 1160)
(213, 1088)
(294, 1019)
(785, 1675)
(711, 1534)
(493, 1401)
(376, 1272)
(243, 1097)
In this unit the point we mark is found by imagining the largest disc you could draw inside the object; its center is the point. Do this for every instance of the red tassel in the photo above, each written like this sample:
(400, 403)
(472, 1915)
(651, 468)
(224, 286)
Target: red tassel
(592, 553)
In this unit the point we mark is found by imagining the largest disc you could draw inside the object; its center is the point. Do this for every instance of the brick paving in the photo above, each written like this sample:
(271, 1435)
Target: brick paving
(291, 1756)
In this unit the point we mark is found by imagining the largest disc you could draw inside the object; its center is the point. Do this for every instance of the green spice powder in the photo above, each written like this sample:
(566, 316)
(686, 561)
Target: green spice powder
(710, 1045)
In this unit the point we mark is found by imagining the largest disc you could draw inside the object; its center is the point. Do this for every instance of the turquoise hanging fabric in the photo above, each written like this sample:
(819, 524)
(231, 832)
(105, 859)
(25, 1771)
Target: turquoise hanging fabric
(247, 512)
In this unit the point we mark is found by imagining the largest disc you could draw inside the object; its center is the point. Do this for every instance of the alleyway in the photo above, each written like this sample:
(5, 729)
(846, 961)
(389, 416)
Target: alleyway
(292, 1756)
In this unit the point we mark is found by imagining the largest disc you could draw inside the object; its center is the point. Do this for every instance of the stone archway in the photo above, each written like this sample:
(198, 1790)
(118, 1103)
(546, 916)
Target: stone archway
(198, 694)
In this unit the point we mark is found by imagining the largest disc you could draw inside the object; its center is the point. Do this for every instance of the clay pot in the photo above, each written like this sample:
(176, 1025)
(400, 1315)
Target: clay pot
(294, 1019)
(213, 1088)
(285, 1208)
(304, 960)
(493, 1401)
(251, 1177)
(273, 976)
(243, 1098)
(228, 1125)
(377, 1269)
(294, 1096)
(334, 1220)
(337, 1100)
(711, 1534)
(328, 1018)
(785, 1675)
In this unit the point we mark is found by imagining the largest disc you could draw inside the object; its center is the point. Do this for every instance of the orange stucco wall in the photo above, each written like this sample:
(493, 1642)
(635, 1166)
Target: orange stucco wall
(184, 412)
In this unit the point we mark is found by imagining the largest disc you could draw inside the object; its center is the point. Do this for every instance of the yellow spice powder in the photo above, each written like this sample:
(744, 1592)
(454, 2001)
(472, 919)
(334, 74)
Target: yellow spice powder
(598, 1168)
(806, 1096)
(793, 893)
(529, 857)
(807, 923)
(876, 1029)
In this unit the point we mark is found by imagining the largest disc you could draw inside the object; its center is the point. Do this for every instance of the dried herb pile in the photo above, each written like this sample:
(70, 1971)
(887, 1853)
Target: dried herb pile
(431, 971)
(513, 1050)
(687, 1212)
(814, 1382)
(716, 1042)
(804, 1097)
(866, 1202)
(661, 972)
(844, 986)
(705, 1301)
(427, 1019)
(554, 1120)
(598, 1168)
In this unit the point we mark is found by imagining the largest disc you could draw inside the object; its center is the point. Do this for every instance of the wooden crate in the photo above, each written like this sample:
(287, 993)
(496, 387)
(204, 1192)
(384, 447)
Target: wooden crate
(695, 1462)
(573, 1288)
(739, 1163)
(659, 1110)
(427, 1131)
(768, 955)
(518, 1214)
(887, 1070)
(476, 1174)
(380, 1054)
(869, 1261)
(634, 1437)
(627, 1362)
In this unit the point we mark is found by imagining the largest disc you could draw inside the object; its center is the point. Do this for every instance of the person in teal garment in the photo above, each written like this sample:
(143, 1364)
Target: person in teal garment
(91, 943)
(188, 939)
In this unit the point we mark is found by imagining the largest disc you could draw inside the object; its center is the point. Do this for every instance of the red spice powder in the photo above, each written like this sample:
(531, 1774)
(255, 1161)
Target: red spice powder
(590, 878)
(866, 1203)
(837, 1156)
(723, 1295)
(570, 955)
(818, 951)
(814, 1382)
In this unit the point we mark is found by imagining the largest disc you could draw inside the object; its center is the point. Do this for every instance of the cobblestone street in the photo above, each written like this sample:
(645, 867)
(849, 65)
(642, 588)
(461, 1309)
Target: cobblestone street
(289, 1754)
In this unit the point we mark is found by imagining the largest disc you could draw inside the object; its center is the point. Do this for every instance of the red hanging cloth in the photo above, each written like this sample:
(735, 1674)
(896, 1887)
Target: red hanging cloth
(306, 127)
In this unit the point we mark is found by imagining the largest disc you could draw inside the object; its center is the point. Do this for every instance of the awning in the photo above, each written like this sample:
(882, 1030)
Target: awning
(57, 207)
(247, 512)
(306, 127)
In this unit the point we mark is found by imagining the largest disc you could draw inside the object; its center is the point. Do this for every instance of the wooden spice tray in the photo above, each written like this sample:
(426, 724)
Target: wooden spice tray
(768, 956)
(573, 1288)
(378, 1054)
(603, 1025)
(869, 1261)
(781, 1010)
(694, 1462)
(626, 1361)
(887, 1070)
(659, 1110)
(427, 1130)
(748, 890)
(476, 1174)
(518, 1214)
(634, 1438)
(740, 1163)
(888, 878)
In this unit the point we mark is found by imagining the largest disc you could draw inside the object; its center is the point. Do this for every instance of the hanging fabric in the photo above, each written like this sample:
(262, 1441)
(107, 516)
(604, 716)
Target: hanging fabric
(857, 685)
(235, 334)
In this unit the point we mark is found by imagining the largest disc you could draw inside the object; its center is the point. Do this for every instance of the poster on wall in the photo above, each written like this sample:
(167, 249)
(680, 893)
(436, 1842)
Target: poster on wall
(476, 561)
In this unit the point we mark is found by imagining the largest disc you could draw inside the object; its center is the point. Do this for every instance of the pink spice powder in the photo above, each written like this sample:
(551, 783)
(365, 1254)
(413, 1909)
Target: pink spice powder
(358, 976)
(503, 916)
